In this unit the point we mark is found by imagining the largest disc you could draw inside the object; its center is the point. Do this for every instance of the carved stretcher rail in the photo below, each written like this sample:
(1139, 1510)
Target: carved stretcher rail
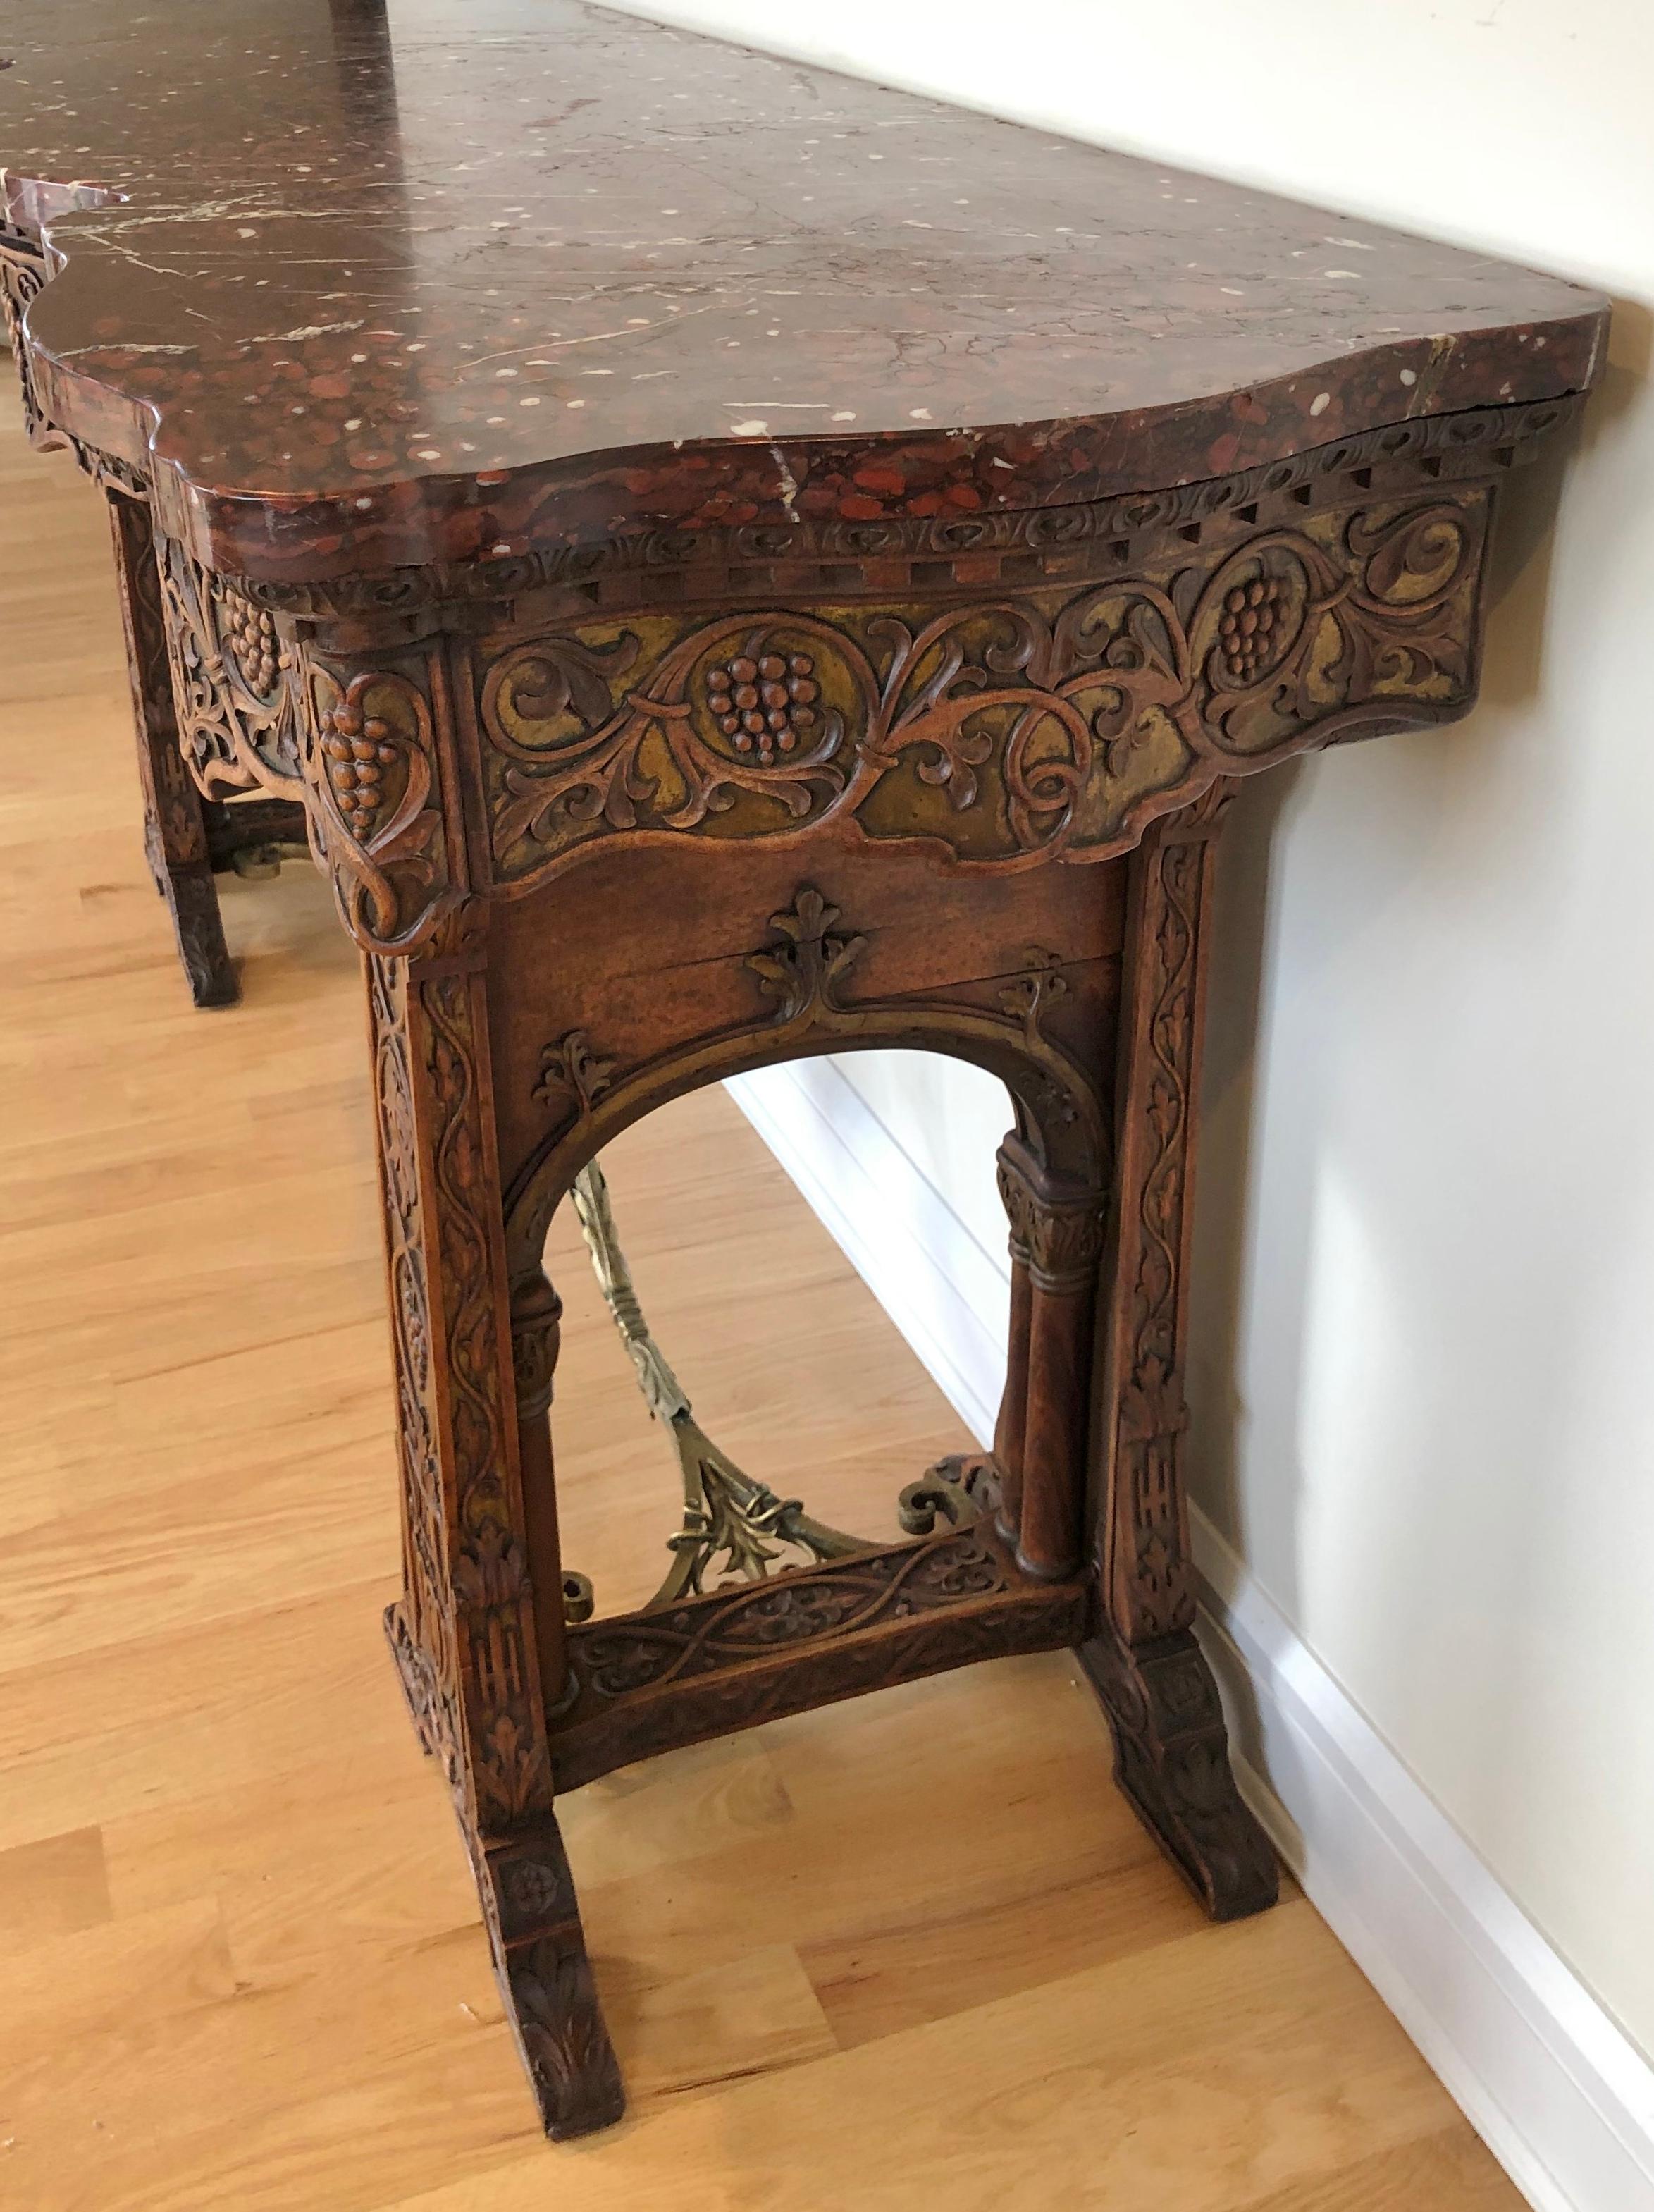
(649, 1681)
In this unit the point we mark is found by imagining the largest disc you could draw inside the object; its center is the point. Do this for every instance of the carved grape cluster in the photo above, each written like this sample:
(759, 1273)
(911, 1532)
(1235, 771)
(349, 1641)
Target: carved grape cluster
(764, 705)
(1249, 630)
(251, 633)
(358, 753)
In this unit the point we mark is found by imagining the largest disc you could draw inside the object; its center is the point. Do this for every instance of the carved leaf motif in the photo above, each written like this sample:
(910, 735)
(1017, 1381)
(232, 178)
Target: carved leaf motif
(570, 1069)
(563, 2036)
(622, 1657)
(568, 684)
(802, 973)
(512, 1777)
(1042, 984)
(737, 707)
(1053, 723)
(234, 737)
(368, 760)
(490, 1570)
(1152, 1405)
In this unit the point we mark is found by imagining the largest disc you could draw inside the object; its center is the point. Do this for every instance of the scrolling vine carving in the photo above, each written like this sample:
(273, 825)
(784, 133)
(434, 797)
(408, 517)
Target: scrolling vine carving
(737, 1656)
(490, 1576)
(1010, 729)
(653, 1649)
(235, 736)
(1152, 1413)
(422, 1627)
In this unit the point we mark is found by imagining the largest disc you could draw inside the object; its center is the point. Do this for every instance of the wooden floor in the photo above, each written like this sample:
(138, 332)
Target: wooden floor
(908, 1953)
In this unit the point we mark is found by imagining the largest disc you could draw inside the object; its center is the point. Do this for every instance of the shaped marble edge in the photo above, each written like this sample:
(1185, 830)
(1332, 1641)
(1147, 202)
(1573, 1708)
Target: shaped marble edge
(1151, 341)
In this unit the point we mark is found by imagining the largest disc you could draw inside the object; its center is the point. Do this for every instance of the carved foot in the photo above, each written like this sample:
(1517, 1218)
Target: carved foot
(533, 1918)
(1172, 1759)
(546, 1983)
(193, 898)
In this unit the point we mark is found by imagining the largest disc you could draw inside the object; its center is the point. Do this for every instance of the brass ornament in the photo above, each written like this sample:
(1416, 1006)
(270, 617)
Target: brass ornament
(728, 1516)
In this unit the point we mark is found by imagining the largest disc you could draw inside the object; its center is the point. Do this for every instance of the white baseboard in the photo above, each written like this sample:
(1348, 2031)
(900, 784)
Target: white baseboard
(1557, 2091)
(1558, 2094)
(947, 1297)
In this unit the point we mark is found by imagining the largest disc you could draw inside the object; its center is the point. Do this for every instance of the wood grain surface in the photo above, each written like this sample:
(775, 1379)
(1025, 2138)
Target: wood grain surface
(910, 1951)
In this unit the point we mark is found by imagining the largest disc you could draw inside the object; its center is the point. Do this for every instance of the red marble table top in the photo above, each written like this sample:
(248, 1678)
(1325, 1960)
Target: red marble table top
(367, 285)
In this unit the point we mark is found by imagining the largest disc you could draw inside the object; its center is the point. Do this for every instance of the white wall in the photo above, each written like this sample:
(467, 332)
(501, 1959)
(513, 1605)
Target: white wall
(1426, 1308)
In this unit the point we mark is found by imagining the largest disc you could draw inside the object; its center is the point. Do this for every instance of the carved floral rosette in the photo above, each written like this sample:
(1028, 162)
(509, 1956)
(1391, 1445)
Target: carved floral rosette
(1053, 724)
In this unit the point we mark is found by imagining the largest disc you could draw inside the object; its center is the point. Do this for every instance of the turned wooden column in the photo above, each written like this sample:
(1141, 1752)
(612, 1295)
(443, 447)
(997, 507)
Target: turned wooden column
(1011, 1425)
(1057, 1234)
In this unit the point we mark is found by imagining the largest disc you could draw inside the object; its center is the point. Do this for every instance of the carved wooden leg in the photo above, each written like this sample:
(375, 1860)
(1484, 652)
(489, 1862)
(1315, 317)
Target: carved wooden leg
(551, 2000)
(1170, 1748)
(174, 831)
(472, 1646)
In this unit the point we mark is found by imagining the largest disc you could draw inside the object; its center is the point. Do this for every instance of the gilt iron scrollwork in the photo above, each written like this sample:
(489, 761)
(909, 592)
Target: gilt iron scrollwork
(728, 1516)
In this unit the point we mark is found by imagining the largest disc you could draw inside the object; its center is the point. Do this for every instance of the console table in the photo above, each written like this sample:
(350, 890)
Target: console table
(734, 563)
(186, 837)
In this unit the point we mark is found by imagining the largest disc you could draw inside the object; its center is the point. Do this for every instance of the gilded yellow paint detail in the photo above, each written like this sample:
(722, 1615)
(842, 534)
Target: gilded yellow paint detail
(1005, 727)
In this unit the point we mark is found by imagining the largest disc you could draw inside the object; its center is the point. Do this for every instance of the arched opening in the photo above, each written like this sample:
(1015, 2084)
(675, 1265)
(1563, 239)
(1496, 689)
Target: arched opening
(732, 1399)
